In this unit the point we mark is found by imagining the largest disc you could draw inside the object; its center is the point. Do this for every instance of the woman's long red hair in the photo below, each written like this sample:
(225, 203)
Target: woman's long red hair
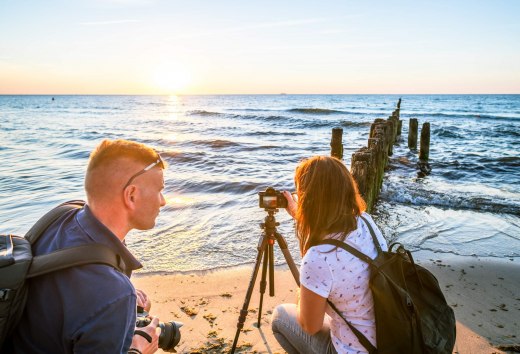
(328, 200)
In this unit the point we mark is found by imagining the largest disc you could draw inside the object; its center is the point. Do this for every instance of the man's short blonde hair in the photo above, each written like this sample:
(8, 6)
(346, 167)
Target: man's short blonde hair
(109, 154)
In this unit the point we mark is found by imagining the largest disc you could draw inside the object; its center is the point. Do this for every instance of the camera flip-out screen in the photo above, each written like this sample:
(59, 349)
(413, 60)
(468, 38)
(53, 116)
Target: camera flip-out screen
(270, 201)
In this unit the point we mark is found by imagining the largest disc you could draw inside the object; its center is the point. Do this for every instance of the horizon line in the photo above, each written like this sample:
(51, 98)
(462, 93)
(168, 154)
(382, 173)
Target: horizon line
(240, 94)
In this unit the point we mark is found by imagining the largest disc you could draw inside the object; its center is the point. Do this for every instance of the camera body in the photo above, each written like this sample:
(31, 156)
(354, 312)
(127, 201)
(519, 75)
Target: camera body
(170, 333)
(271, 199)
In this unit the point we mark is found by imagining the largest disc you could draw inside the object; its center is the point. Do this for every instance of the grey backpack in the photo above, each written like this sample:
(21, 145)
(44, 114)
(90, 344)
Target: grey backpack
(17, 265)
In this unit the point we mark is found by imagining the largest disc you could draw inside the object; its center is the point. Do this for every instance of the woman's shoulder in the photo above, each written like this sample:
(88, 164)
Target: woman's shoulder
(367, 217)
(319, 250)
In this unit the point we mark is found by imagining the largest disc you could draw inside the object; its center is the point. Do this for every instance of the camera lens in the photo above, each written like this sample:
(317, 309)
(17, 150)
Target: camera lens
(170, 335)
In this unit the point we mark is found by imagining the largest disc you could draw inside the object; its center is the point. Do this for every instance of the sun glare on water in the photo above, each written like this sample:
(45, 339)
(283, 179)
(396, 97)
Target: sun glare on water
(179, 200)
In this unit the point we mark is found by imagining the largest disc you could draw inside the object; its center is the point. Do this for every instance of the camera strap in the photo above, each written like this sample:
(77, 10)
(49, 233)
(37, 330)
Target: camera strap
(144, 335)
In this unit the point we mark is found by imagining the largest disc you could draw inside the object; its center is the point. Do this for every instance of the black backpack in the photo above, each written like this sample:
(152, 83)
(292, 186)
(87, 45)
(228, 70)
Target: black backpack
(17, 264)
(411, 313)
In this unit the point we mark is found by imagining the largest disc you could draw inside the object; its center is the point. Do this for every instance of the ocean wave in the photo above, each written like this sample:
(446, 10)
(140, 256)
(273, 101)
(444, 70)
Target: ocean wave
(111, 108)
(508, 117)
(251, 109)
(502, 131)
(509, 161)
(272, 133)
(448, 132)
(209, 186)
(201, 112)
(184, 157)
(452, 201)
(76, 154)
(346, 123)
(215, 144)
(315, 111)
(273, 118)
(479, 168)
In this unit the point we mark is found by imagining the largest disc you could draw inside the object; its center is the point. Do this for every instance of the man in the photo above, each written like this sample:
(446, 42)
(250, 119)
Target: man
(92, 308)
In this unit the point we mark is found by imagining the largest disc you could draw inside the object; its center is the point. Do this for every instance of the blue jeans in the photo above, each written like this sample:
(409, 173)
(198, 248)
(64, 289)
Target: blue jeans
(293, 339)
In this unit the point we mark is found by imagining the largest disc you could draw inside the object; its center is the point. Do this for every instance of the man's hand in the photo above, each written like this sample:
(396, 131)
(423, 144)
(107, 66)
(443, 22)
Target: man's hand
(143, 300)
(141, 343)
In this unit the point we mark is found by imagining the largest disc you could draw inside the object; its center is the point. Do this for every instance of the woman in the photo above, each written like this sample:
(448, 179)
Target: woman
(329, 206)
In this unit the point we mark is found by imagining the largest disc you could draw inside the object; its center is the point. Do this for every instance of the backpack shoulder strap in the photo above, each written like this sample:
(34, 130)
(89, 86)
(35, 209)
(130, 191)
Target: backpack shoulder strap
(75, 256)
(347, 248)
(46, 220)
(374, 237)
(360, 336)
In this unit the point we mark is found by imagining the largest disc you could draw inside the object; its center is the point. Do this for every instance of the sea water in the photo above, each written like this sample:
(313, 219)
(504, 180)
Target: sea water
(223, 150)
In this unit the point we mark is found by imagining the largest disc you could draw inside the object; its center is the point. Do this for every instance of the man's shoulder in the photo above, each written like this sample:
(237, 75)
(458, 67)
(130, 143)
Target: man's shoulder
(97, 277)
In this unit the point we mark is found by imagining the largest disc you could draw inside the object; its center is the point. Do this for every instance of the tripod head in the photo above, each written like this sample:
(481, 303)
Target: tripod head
(269, 225)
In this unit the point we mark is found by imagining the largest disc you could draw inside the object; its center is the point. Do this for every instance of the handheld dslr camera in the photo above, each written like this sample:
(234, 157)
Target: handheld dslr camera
(170, 333)
(271, 199)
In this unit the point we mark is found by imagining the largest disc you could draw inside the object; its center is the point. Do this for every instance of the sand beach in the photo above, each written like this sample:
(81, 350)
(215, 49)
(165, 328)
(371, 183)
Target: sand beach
(483, 292)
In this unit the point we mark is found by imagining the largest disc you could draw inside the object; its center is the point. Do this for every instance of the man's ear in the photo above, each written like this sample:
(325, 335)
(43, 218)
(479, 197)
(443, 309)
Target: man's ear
(129, 196)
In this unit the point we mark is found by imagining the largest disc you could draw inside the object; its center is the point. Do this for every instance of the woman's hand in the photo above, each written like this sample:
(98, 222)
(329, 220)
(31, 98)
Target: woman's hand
(291, 204)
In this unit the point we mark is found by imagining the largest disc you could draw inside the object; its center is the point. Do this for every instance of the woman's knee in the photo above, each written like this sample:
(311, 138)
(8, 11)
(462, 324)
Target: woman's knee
(283, 315)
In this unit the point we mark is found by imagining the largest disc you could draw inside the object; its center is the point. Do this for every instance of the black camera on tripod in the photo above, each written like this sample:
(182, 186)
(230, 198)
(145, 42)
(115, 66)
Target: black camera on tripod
(170, 333)
(271, 199)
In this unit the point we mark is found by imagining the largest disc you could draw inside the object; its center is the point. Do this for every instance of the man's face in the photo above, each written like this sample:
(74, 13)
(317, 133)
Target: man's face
(148, 199)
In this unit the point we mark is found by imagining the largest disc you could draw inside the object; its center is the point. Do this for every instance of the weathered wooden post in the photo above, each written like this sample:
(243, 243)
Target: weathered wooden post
(376, 147)
(359, 170)
(424, 152)
(380, 133)
(336, 143)
(390, 136)
(412, 134)
(365, 155)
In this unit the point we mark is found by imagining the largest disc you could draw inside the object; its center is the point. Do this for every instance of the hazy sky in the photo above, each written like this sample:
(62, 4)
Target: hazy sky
(224, 46)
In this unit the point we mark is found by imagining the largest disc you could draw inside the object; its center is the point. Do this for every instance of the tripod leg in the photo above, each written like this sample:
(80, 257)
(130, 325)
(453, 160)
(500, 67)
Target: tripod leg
(263, 284)
(243, 312)
(287, 255)
(271, 267)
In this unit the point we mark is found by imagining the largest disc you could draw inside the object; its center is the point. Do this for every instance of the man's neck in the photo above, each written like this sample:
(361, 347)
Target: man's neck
(111, 218)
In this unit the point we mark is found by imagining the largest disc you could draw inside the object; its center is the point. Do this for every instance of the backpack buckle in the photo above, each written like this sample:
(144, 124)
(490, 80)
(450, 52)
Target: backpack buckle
(5, 294)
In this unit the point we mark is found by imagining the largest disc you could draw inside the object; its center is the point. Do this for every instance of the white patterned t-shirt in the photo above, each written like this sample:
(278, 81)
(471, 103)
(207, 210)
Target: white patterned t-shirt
(343, 279)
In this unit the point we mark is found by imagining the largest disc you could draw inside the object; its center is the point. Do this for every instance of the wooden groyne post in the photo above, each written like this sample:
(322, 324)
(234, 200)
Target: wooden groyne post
(368, 163)
(412, 134)
(336, 143)
(424, 152)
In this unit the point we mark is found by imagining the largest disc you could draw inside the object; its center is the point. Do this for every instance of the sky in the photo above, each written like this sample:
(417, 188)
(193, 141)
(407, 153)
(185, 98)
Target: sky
(259, 47)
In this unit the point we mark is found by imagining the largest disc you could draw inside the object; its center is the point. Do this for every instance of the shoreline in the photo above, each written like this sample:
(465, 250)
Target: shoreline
(483, 292)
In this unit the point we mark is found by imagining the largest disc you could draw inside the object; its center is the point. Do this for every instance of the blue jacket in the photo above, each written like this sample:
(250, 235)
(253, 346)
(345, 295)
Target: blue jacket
(84, 309)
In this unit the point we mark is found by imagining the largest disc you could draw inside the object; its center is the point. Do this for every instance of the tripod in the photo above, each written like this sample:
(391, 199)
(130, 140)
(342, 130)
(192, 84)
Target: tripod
(265, 251)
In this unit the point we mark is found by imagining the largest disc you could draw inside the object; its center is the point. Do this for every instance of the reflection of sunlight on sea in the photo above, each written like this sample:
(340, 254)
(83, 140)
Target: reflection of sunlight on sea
(179, 201)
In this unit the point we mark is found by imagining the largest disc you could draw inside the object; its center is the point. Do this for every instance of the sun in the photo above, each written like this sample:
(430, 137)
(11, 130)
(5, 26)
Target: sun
(171, 80)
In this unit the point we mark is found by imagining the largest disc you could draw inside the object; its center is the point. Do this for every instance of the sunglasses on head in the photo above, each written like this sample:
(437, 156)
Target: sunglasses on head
(159, 162)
